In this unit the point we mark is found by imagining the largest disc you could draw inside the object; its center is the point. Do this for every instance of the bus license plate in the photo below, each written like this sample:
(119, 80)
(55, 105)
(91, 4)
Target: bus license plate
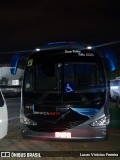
(62, 134)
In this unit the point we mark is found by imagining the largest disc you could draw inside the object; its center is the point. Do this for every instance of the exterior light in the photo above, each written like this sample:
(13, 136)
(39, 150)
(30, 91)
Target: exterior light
(37, 49)
(101, 122)
(89, 47)
(15, 82)
(114, 87)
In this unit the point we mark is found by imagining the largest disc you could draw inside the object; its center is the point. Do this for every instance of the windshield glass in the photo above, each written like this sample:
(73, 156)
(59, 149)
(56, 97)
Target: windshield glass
(53, 77)
(65, 79)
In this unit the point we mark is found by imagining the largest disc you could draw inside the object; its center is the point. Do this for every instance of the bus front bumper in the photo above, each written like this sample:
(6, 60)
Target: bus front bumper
(82, 132)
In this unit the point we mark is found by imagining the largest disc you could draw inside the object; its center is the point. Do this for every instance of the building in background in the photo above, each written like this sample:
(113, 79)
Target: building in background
(10, 83)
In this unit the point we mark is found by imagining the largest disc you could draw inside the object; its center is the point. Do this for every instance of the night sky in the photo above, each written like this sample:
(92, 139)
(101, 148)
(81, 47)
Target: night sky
(25, 25)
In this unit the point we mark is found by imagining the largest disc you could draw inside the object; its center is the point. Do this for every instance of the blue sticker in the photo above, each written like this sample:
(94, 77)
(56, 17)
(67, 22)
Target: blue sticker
(69, 87)
(89, 112)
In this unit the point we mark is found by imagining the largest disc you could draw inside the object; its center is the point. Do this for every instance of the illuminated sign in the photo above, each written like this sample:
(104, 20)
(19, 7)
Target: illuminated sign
(15, 82)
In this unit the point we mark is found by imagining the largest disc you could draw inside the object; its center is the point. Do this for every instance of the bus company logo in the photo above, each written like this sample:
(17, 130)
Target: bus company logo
(48, 113)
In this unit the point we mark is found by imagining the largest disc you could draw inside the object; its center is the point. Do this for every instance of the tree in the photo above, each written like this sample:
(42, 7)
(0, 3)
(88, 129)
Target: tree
(4, 81)
(113, 74)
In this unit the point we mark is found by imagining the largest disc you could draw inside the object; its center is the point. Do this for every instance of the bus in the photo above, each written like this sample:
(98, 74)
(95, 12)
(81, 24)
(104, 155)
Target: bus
(115, 89)
(65, 94)
(3, 116)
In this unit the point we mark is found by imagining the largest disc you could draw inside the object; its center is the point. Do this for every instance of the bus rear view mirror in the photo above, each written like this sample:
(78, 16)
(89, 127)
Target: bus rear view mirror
(16, 60)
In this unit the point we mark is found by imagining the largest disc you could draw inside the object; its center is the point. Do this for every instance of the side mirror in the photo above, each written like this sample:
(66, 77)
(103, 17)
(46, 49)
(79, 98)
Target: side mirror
(16, 60)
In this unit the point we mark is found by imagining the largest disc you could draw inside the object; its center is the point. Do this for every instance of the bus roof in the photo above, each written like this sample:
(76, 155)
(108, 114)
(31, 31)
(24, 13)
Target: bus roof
(61, 45)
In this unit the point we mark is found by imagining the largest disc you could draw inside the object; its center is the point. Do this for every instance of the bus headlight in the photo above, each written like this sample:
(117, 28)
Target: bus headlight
(25, 120)
(101, 122)
(114, 87)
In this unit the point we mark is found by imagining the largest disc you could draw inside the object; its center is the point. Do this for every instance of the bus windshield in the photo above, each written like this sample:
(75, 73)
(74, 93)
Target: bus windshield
(53, 76)
(68, 82)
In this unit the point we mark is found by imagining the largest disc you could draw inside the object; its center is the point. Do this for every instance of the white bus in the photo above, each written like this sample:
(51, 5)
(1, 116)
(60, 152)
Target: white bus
(3, 116)
(115, 88)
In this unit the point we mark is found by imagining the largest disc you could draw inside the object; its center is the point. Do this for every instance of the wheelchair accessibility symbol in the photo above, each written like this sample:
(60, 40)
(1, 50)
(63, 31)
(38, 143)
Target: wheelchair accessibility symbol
(69, 87)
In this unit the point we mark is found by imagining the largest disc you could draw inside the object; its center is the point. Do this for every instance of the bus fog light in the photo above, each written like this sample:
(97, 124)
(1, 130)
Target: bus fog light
(101, 122)
(25, 120)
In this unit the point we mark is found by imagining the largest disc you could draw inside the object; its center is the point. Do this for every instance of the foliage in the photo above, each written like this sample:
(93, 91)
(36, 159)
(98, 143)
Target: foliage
(113, 74)
(4, 81)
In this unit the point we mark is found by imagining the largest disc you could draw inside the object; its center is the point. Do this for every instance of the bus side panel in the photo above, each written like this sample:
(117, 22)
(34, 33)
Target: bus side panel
(3, 118)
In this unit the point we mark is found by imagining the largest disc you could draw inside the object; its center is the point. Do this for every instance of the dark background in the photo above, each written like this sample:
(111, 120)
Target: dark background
(25, 25)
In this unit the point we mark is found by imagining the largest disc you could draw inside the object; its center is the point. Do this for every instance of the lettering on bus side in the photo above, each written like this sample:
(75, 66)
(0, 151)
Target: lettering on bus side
(86, 54)
(47, 113)
(62, 109)
(89, 54)
(80, 53)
